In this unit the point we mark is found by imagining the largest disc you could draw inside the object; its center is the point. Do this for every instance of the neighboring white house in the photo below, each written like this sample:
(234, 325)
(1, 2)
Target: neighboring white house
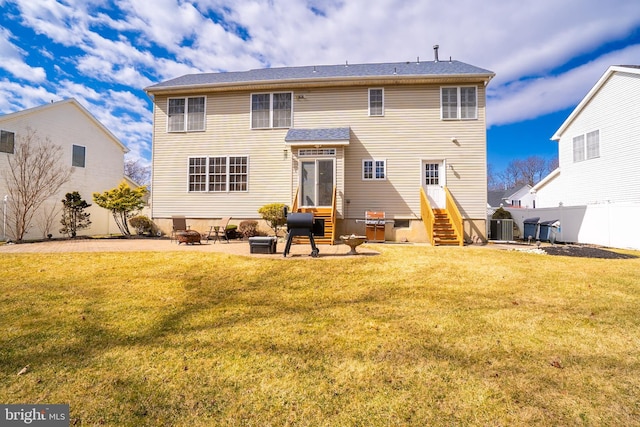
(599, 163)
(94, 153)
(517, 197)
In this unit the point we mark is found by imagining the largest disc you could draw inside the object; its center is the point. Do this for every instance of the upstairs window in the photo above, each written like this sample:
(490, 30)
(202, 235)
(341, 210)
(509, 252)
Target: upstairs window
(376, 102)
(271, 110)
(586, 146)
(459, 103)
(7, 142)
(186, 114)
(593, 144)
(78, 156)
(374, 170)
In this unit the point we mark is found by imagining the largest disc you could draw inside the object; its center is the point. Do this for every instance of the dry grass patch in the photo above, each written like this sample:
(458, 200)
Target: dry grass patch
(415, 336)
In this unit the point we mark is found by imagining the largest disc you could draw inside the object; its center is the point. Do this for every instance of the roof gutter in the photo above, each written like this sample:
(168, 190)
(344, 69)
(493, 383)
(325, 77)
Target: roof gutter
(331, 81)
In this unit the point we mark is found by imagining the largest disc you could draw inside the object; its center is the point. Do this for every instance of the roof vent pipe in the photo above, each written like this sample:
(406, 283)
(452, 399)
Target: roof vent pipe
(435, 52)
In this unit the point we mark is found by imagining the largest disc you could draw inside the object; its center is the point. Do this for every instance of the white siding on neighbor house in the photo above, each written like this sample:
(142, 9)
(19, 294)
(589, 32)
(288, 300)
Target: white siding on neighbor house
(66, 124)
(612, 177)
(410, 131)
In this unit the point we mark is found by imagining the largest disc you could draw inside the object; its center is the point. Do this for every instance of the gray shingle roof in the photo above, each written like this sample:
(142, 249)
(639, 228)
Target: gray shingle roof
(326, 134)
(319, 72)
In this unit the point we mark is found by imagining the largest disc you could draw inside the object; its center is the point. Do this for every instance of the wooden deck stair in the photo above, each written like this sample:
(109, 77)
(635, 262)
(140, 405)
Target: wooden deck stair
(443, 232)
(444, 226)
(323, 214)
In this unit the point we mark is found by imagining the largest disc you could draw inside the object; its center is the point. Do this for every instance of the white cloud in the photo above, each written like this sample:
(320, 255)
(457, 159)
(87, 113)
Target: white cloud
(13, 60)
(536, 97)
(529, 46)
(15, 96)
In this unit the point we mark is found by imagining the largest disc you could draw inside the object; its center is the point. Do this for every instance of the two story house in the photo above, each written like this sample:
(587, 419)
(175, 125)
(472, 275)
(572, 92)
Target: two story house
(595, 192)
(94, 154)
(407, 139)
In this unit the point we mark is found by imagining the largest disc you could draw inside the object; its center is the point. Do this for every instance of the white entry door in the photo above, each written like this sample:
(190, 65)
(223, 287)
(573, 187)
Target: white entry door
(433, 182)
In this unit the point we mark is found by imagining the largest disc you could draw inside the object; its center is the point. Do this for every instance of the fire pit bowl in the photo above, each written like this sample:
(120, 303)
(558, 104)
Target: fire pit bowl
(188, 237)
(353, 242)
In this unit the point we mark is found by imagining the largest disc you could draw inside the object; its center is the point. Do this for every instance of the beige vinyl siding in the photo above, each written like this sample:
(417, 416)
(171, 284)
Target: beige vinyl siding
(227, 133)
(410, 130)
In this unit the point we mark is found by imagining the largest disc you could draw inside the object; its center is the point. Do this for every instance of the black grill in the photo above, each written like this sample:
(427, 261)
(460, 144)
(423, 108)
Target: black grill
(301, 225)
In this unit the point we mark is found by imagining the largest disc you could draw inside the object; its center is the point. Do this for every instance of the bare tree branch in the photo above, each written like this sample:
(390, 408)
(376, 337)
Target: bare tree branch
(35, 173)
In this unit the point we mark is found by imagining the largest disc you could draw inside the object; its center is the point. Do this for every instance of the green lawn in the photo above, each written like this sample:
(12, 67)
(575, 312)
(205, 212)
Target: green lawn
(415, 336)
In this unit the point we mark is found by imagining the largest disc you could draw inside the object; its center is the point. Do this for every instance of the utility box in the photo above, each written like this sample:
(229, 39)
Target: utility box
(501, 229)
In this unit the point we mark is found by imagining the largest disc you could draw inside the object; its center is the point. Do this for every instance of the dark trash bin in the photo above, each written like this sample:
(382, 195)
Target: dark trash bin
(531, 228)
(545, 230)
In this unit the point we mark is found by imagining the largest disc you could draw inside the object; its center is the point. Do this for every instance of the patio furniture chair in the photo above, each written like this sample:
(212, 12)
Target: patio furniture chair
(209, 234)
(220, 230)
(179, 224)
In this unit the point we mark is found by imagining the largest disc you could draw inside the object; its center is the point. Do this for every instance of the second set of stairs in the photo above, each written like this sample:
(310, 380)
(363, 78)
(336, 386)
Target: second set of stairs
(443, 232)
(324, 214)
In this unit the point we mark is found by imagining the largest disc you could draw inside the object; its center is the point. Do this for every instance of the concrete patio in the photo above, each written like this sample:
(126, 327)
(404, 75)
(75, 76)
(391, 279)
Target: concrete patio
(234, 247)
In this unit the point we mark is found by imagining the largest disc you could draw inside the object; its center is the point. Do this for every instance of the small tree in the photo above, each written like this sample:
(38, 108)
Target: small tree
(123, 202)
(274, 215)
(74, 217)
(501, 213)
(35, 172)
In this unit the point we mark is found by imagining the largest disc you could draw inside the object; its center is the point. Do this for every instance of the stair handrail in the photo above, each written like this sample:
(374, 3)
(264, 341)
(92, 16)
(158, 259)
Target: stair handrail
(428, 218)
(333, 215)
(455, 216)
(294, 205)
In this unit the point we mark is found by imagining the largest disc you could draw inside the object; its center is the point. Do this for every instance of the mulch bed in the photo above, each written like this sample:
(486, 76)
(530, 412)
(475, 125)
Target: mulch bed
(584, 252)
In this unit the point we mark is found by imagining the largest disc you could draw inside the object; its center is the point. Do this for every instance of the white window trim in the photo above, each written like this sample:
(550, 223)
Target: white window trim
(585, 149)
(186, 114)
(369, 99)
(208, 174)
(270, 110)
(373, 170)
(458, 104)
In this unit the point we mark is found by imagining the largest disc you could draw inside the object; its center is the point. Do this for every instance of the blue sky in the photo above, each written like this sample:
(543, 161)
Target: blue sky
(546, 54)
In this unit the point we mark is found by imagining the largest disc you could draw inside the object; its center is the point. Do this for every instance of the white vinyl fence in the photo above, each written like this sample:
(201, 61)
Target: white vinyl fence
(615, 225)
